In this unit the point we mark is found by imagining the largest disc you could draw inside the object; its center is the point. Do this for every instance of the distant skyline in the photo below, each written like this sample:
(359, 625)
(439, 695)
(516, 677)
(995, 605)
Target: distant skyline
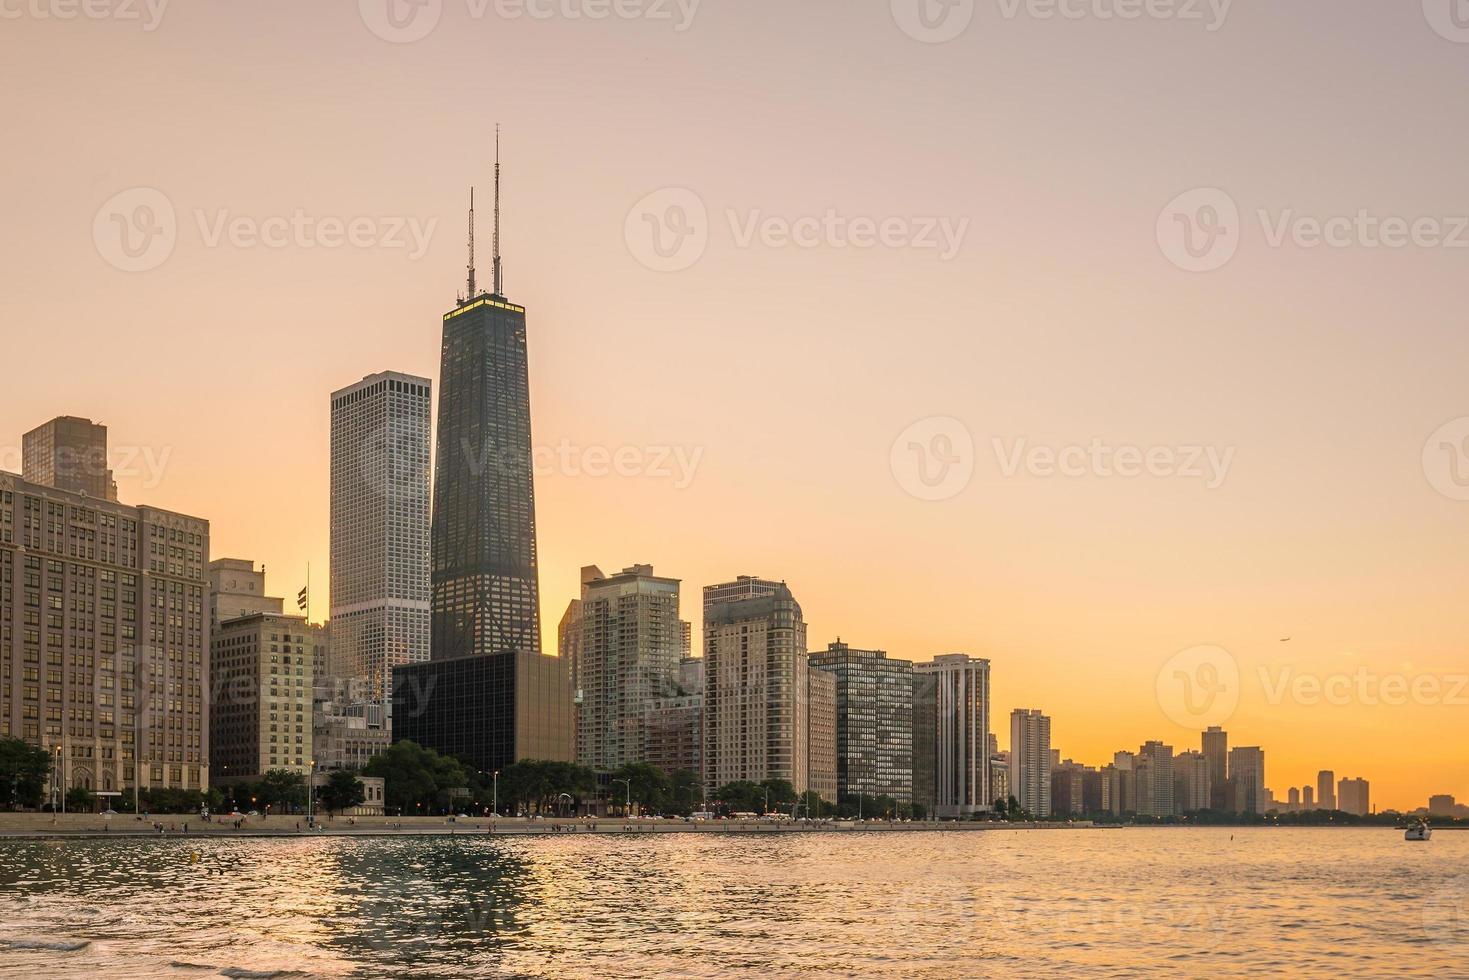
(928, 444)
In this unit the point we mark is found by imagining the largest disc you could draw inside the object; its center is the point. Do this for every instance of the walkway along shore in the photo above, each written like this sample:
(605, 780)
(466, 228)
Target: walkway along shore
(87, 826)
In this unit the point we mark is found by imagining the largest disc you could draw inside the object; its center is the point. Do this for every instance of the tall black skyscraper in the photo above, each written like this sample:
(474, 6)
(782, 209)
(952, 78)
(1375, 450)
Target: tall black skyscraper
(485, 594)
(487, 694)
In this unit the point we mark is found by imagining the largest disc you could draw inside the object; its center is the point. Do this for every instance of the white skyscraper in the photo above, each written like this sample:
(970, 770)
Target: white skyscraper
(380, 527)
(1030, 760)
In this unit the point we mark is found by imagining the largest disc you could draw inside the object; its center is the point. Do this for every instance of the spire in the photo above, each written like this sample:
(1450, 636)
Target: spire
(499, 271)
(471, 246)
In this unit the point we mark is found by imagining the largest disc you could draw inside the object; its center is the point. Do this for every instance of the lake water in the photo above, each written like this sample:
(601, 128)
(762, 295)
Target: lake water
(1180, 902)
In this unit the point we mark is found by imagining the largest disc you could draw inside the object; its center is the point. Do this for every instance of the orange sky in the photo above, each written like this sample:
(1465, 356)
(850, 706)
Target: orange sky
(790, 371)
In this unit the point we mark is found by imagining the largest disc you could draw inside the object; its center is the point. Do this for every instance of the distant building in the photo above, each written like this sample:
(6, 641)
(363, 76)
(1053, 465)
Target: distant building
(348, 724)
(1326, 789)
(105, 628)
(1030, 760)
(1000, 778)
(1155, 780)
(627, 656)
(69, 454)
(1308, 798)
(952, 700)
(1121, 779)
(1067, 789)
(262, 682)
(1193, 786)
(1215, 745)
(874, 721)
(821, 733)
(1353, 796)
(380, 527)
(1293, 800)
(1247, 779)
(372, 795)
(1442, 805)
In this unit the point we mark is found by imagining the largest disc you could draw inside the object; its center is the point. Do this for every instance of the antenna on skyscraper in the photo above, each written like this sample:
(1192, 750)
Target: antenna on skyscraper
(471, 246)
(499, 273)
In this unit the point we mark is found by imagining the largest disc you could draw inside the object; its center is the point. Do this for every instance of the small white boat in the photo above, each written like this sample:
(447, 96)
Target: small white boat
(1419, 831)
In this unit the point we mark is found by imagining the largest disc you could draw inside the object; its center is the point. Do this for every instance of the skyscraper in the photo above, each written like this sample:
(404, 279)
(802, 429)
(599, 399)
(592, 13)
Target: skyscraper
(1326, 789)
(487, 694)
(952, 701)
(1354, 796)
(755, 685)
(1192, 784)
(1216, 753)
(1247, 779)
(628, 655)
(69, 454)
(1308, 798)
(379, 527)
(1030, 760)
(1155, 779)
(874, 721)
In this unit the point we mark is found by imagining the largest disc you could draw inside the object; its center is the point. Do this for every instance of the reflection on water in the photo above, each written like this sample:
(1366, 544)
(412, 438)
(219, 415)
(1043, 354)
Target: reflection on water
(1213, 902)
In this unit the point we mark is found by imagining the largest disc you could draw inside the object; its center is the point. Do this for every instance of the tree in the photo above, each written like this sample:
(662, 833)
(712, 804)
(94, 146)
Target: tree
(648, 786)
(79, 799)
(415, 778)
(341, 792)
(685, 792)
(536, 785)
(23, 773)
(282, 788)
(739, 797)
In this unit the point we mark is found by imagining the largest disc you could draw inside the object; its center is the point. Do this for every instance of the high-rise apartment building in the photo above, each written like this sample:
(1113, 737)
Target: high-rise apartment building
(627, 656)
(1308, 798)
(380, 527)
(69, 454)
(1193, 782)
(1326, 789)
(1354, 796)
(104, 637)
(1154, 767)
(756, 689)
(1121, 778)
(1247, 779)
(951, 699)
(819, 729)
(1030, 760)
(1216, 750)
(874, 721)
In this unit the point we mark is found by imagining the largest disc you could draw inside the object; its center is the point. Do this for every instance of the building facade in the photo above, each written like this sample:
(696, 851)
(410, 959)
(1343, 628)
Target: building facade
(380, 527)
(486, 591)
(1326, 789)
(1154, 768)
(104, 635)
(674, 733)
(236, 589)
(755, 686)
(874, 721)
(956, 707)
(1193, 783)
(627, 657)
(1247, 779)
(1215, 746)
(261, 697)
(1354, 796)
(1030, 761)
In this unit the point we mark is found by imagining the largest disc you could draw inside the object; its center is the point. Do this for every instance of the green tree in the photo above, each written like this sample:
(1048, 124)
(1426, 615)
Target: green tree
(739, 797)
(341, 792)
(649, 787)
(686, 792)
(79, 799)
(24, 770)
(415, 779)
(282, 788)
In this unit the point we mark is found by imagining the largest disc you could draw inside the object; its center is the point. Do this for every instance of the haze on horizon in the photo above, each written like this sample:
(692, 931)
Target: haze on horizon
(1309, 489)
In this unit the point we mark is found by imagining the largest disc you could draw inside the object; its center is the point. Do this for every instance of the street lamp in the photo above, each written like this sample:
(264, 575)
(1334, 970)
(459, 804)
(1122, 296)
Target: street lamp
(310, 786)
(61, 777)
(627, 810)
(495, 811)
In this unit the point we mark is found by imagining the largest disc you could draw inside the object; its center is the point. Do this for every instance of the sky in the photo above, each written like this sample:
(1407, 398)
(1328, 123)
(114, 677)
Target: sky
(1117, 346)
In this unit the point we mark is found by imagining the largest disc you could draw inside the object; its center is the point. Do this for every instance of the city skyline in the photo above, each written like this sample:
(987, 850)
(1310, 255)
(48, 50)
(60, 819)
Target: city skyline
(1325, 529)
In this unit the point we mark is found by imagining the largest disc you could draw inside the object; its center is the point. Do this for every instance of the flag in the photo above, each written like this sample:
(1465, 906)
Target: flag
(301, 599)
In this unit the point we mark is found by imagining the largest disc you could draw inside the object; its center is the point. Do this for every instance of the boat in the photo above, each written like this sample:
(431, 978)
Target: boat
(1419, 831)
